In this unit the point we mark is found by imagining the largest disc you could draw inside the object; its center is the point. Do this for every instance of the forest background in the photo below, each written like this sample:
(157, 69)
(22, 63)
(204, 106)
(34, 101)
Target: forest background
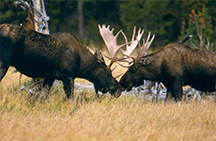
(169, 20)
(126, 118)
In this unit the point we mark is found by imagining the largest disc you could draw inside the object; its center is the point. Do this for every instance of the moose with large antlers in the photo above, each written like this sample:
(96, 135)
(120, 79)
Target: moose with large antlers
(175, 65)
(57, 56)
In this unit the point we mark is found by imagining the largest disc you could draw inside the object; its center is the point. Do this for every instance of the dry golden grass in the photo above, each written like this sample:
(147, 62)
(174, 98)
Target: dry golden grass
(86, 118)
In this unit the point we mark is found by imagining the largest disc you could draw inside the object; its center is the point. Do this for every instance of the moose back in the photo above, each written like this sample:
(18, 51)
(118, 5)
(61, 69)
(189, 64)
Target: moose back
(57, 56)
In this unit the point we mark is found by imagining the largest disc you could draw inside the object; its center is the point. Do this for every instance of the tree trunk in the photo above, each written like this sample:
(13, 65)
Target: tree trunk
(37, 6)
(80, 14)
(40, 17)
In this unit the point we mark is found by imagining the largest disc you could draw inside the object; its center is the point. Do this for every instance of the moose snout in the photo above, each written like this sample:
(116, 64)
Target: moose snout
(116, 91)
(125, 86)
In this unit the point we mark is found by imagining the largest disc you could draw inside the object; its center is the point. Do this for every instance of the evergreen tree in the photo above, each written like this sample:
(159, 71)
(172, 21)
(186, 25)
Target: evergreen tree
(10, 14)
(165, 19)
(200, 26)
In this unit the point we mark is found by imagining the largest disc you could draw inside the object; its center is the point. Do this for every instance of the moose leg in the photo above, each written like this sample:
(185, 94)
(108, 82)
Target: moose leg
(177, 91)
(169, 96)
(96, 90)
(47, 83)
(69, 87)
(174, 90)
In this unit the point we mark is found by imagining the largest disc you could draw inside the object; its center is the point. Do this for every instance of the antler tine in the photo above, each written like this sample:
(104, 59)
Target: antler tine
(145, 46)
(134, 31)
(134, 42)
(140, 34)
(148, 43)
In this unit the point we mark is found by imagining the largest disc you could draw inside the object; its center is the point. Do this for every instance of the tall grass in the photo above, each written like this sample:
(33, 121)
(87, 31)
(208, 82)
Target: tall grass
(87, 118)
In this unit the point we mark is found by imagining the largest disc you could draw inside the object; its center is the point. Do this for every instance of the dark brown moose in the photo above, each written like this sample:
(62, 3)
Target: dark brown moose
(175, 65)
(57, 56)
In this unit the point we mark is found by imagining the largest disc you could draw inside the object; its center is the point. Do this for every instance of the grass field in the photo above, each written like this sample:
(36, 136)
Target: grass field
(127, 118)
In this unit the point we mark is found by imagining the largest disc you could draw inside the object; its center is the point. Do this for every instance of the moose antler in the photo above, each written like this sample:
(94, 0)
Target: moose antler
(111, 43)
(134, 42)
(145, 46)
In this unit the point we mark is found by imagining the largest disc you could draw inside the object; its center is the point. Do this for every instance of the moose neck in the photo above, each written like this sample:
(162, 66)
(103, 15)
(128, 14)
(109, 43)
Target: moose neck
(151, 65)
(88, 64)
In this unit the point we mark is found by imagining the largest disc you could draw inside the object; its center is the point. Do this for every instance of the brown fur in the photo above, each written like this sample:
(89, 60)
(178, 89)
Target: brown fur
(175, 65)
(57, 56)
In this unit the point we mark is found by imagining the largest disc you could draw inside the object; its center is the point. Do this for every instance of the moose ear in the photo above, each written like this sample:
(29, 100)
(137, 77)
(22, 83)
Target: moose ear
(99, 56)
(145, 61)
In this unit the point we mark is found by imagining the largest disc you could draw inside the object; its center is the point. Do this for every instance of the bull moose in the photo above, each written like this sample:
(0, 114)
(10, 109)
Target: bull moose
(57, 56)
(175, 65)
